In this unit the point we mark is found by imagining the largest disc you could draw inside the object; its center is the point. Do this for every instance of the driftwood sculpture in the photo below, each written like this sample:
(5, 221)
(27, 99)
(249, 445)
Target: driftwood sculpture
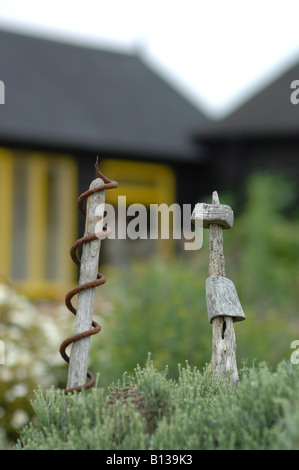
(223, 304)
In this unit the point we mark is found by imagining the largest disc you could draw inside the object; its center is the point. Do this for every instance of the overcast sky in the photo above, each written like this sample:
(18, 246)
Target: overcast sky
(217, 52)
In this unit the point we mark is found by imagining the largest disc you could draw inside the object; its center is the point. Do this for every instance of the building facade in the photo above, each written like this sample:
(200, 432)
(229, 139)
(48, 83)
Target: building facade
(64, 105)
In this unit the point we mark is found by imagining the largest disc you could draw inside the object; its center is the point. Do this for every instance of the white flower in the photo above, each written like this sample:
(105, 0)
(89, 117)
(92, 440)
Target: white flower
(6, 375)
(5, 295)
(18, 390)
(22, 318)
(19, 418)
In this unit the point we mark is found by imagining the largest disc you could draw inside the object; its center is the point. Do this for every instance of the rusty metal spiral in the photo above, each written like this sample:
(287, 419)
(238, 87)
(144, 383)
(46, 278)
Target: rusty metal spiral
(100, 280)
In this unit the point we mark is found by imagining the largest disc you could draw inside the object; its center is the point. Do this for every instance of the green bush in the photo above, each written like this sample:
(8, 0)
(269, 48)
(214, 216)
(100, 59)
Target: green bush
(262, 249)
(153, 307)
(159, 307)
(146, 410)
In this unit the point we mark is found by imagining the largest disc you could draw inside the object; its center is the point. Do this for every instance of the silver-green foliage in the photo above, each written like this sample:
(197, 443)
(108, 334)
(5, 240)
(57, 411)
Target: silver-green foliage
(146, 410)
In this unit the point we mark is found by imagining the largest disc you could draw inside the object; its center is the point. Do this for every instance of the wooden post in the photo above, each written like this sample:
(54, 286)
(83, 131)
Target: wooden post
(222, 301)
(78, 364)
(224, 340)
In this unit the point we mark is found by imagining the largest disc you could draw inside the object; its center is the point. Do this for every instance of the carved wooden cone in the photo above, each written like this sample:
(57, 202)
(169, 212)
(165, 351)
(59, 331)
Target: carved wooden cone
(222, 300)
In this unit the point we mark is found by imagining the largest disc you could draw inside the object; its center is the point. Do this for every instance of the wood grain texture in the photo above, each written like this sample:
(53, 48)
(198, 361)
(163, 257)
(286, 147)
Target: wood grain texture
(222, 299)
(218, 214)
(224, 349)
(79, 354)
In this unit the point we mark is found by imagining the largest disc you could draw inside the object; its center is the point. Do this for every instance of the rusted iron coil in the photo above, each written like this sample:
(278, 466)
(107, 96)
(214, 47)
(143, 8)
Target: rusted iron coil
(96, 328)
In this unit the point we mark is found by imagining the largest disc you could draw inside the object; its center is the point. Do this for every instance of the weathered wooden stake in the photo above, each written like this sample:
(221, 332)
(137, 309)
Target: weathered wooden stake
(78, 365)
(224, 341)
(222, 300)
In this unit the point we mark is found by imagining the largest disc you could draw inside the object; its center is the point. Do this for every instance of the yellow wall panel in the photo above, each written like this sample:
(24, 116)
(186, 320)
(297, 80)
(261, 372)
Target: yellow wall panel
(6, 194)
(37, 165)
(141, 182)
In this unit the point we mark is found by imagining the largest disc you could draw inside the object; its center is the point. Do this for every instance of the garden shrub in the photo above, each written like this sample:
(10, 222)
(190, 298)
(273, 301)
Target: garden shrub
(153, 307)
(146, 410)
(159, 306)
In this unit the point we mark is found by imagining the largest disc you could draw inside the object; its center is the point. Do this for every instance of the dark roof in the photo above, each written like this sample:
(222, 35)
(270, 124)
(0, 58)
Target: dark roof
(72, 96)
(268, 114)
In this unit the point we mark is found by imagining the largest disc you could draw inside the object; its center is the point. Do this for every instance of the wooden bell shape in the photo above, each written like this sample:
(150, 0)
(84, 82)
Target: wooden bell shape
(222, 299)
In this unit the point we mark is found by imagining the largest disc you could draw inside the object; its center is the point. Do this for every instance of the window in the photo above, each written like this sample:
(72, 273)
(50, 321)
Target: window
(38, 221)
(144, 183)
(141, 182)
